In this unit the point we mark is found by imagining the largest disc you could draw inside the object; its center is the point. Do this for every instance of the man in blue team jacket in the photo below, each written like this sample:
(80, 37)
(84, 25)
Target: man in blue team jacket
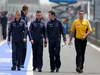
(54, 31)
(38, 32)
(24, 13)
(17, 30)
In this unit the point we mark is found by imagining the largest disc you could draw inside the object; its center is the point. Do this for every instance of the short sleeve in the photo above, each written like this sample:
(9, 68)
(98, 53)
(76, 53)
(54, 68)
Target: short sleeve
(72, 29)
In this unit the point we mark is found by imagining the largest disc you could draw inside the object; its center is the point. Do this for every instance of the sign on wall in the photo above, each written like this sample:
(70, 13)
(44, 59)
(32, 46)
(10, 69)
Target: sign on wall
(65, 1)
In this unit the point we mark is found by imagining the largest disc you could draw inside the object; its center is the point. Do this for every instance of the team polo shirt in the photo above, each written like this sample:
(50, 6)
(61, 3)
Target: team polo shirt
(80, 28)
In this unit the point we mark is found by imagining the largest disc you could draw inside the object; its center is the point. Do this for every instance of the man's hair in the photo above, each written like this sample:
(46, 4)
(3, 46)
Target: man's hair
(38, 11)
(81, 11)
(52, 12)
(17, 11)
(25, 8)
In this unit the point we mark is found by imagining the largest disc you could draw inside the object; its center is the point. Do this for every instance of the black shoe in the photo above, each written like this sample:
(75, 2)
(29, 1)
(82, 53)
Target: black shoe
(34, 69)
(79, 70)
(13, 68)
(57, 70)
(39, 70)
(22, 66)
(18, 68)
(52, 70)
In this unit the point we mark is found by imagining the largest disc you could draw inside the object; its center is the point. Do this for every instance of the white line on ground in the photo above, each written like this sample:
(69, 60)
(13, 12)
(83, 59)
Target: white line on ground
(30, 67)
(5, 60)
(5, 74)
(94, 46)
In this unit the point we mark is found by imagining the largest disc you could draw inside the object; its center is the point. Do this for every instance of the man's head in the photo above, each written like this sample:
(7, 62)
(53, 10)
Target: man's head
(52, 15)
(18, 15)
(38, 15)
(65, 19)
(25, 9)
(81, 14)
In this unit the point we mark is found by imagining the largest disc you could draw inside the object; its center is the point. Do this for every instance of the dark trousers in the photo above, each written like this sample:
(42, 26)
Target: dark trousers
(16, 53)
(54, 54)
(80, 46)
(4, 31)
(24, 51)
(37, 48)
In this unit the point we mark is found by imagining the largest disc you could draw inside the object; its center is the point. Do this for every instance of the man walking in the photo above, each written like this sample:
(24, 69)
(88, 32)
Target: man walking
(17, 30)
(38, 32)
(80, 30)
(54, 31)
(24, 13)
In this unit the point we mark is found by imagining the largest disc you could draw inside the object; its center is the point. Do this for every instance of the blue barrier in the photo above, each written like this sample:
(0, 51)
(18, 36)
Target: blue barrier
(64, 1)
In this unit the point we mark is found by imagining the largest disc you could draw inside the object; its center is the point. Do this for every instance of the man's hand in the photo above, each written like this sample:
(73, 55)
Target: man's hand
(32, 41)
(70, 43)
(8, 42)
(84, 37)
(65, 42)
(45, 43)
(24, 40)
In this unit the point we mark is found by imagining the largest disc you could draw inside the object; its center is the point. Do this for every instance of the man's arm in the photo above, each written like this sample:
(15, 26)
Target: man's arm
(45, 35)
(9, 31)
(31, 33)
(62, 31)
(72, 32)
(89, 30)
(25, 31)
